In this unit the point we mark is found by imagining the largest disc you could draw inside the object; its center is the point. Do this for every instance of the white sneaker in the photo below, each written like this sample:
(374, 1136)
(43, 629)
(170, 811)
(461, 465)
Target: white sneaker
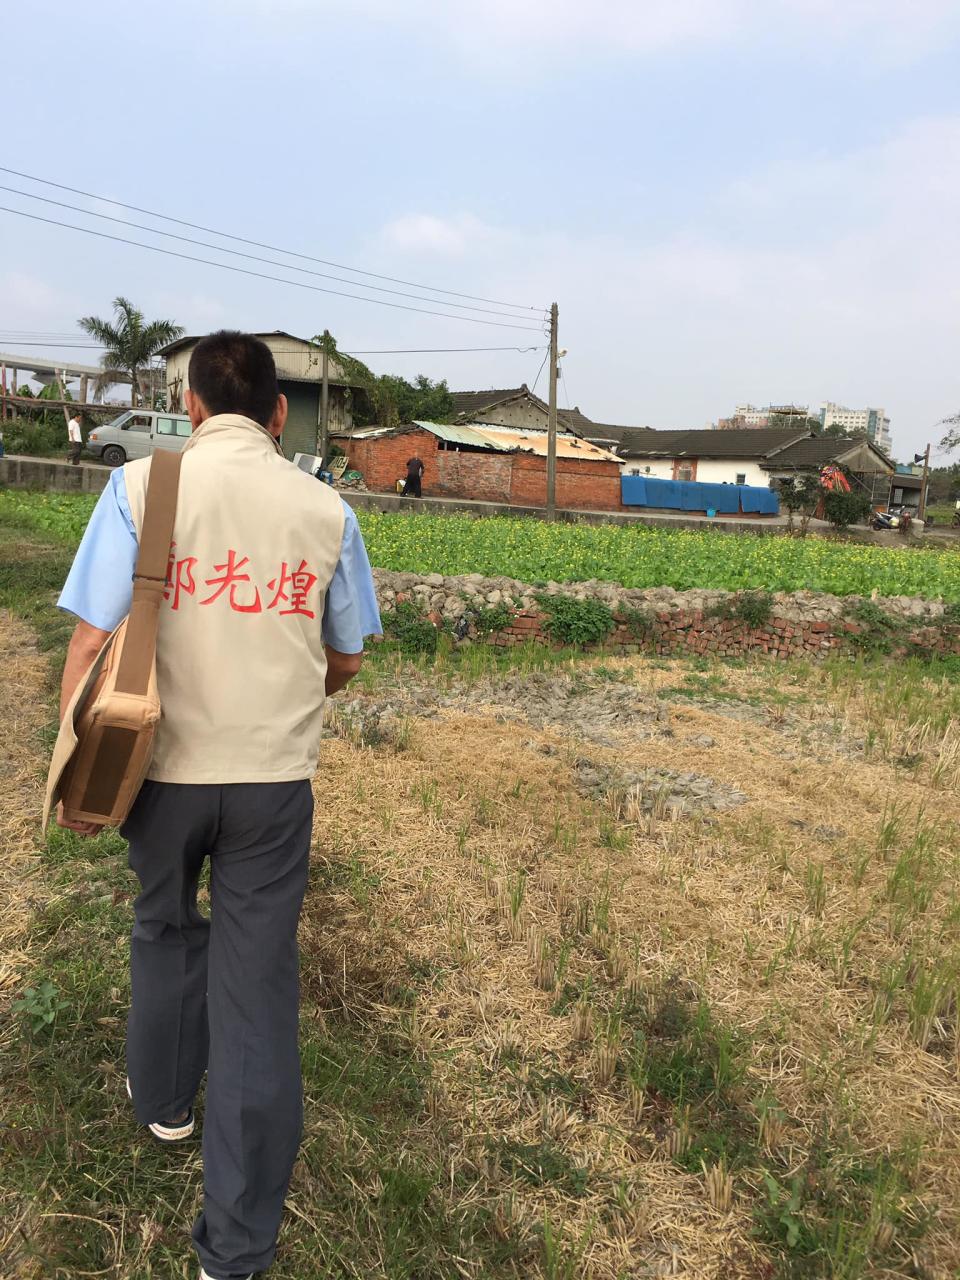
(169, 1131)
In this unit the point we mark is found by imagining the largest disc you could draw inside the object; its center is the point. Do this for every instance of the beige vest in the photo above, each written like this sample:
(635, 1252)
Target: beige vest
(241, 663)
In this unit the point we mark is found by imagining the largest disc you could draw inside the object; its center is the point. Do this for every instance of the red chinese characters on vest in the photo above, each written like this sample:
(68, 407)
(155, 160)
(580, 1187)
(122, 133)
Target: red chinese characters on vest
(180, 577)
(233, 586)
(300, 583)
(229, 580)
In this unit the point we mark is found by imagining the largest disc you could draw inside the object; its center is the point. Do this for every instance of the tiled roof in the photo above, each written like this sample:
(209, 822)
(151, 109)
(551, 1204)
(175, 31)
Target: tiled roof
(814, 451)
(748, 442)
(467, 403)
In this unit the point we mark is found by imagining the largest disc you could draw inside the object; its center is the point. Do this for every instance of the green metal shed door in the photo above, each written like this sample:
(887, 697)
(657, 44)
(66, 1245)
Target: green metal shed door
(300, 433)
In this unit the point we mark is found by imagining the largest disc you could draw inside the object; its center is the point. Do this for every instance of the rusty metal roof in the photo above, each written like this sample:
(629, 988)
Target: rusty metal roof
(527, 441)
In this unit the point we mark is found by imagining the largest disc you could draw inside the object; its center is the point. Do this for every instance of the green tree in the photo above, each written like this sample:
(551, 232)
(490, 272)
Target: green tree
(844, 509)
(795, 422)
(944, 483)
(951, 440)
(801, 494)
(131, 343)
(837, 431)
(388, 399)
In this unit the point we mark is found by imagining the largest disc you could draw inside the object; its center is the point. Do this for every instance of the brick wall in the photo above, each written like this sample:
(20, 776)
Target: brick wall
(692, 632)
(517, 478)
(383, 461)
(484, 476)
(582, 484)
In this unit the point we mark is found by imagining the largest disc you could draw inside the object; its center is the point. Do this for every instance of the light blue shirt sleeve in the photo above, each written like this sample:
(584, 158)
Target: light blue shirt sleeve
(351, 610)
(99, 586)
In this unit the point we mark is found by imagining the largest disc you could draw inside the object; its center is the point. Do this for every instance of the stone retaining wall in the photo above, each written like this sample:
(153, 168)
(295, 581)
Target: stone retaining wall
(664, 621)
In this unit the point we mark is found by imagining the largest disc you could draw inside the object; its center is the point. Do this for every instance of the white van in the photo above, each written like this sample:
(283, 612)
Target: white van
(136, 433)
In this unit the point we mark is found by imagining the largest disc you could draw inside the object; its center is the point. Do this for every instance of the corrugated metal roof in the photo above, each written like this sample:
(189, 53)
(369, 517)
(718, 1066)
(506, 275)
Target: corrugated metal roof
(568, 446)
(455, 434)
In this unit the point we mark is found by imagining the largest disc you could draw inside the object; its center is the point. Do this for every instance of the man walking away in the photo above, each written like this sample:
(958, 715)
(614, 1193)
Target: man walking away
(75, 436)
(268, 598)
(412, 486)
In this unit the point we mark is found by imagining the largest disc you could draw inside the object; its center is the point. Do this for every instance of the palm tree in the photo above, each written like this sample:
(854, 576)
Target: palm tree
(130, 344)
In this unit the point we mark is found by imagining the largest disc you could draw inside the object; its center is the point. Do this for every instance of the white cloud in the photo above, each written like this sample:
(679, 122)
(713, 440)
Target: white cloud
(864, 309)
(425, 233)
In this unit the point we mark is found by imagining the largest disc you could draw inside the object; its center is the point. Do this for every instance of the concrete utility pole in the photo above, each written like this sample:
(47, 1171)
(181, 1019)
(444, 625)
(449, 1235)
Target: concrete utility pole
(552, 421)
(325, 399)
(922, 510)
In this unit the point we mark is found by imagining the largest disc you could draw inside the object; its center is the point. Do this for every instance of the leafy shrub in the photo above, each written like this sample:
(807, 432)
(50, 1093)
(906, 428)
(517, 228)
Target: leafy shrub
(576, 622)
(801, 494)
(754, 608)
(878, 628)
(869, 613)
(639, 622)
(411, 629)
(844, 509)
(37, 439)
(489, 619)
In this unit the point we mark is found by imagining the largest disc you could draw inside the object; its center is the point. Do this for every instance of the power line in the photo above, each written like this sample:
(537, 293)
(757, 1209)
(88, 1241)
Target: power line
(261, 275)
(252, 257)
(288, 351)
(257, 244)
(539, 371)
(406, 351)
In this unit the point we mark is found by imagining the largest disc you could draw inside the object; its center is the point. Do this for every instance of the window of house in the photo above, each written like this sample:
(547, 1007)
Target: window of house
(685, 472)
(741, 478)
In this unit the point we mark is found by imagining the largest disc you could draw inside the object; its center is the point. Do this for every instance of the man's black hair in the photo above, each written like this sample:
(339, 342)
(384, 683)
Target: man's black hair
(235, 372)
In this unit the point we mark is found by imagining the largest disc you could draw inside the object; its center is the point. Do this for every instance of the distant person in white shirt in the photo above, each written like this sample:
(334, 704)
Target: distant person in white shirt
(75, 436)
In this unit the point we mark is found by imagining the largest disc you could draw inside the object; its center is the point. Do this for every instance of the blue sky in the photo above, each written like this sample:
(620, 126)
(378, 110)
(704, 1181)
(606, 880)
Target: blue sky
(729, 199)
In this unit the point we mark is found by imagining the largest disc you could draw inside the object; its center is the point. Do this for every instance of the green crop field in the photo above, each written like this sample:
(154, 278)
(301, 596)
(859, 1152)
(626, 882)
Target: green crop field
(535, 552)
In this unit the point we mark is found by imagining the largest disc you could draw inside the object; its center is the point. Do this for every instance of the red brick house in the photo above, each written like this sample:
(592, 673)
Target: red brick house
(486, 463)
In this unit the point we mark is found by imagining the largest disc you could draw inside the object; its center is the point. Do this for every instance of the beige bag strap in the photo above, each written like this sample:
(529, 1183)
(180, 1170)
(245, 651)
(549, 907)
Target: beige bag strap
(150, 578)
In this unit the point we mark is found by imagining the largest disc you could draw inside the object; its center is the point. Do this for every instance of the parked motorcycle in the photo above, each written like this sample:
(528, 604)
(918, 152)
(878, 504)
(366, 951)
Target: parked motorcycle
(898, 520)
(885, 520)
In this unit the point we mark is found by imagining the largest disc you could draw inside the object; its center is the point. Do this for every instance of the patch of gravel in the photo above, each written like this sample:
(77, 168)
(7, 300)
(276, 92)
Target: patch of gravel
(826, 734)
(590, 709)
(650, 790)
(597, 710)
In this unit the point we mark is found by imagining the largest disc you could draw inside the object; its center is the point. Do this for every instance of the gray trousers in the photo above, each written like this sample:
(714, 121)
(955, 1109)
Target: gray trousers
(222, 995)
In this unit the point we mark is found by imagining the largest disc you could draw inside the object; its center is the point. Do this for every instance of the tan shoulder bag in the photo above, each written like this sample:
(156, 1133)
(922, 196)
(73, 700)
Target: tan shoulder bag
(105, 742)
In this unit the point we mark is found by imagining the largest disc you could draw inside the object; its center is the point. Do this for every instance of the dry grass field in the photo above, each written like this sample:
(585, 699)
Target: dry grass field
(611, 968)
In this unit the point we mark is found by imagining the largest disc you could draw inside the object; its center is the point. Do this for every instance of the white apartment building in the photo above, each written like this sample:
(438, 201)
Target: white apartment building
(751, 415)
(873, 422)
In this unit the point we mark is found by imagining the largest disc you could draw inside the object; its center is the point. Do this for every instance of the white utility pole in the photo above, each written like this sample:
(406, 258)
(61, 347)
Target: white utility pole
(552, 421)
